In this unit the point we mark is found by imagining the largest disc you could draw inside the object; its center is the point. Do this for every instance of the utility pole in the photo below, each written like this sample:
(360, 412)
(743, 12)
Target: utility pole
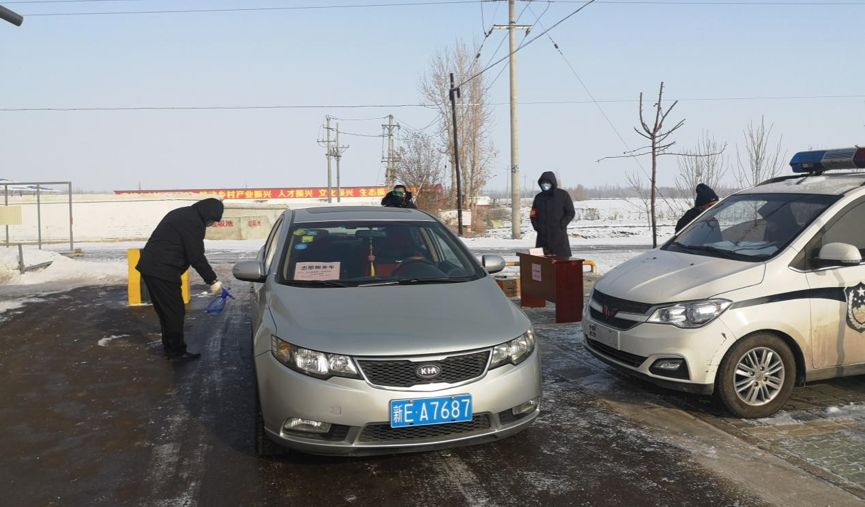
(337, 153)
(453, 94)
(512, 28)
(387, 130)
(10, 16)
(328, 153)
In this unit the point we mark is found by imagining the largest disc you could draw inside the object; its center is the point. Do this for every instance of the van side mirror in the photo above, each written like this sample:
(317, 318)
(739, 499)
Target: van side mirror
(493, 263)
(249, 271)
(839, 254)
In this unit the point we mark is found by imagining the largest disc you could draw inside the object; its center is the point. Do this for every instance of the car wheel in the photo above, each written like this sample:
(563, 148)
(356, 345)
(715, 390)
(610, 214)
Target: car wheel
(265, 447)
(756, 376)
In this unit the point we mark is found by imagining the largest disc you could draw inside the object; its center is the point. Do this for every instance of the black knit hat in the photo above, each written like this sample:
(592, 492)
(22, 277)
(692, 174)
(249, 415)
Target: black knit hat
(705, 195)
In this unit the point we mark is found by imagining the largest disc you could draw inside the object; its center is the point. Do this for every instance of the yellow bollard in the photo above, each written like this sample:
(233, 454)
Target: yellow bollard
(137, 291)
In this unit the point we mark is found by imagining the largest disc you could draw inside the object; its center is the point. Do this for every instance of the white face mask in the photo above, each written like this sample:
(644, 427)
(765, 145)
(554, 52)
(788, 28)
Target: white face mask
(546, 186)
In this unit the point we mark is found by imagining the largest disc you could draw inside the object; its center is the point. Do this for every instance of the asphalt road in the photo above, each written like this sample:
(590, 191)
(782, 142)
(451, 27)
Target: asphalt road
(92, 414)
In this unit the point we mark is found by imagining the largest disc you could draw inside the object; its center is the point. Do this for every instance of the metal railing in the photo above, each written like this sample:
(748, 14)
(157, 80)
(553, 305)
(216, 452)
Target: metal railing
(38, 191)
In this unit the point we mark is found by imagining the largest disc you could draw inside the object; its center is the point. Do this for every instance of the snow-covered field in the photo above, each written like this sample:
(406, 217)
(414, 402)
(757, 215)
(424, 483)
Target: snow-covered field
(606, 231)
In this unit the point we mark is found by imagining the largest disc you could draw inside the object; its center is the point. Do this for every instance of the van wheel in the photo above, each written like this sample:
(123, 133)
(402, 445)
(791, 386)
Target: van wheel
(756, 376)
(265, 447)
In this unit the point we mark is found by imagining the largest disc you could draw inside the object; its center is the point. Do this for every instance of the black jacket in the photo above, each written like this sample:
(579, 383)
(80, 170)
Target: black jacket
(178, 242)
(392, 201)
(551, 213)
(687, 218)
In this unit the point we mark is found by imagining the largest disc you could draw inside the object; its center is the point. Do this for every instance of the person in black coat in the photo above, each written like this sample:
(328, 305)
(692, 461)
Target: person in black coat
(399, 197)
(177, 243)
(706, 198)
(552, 211)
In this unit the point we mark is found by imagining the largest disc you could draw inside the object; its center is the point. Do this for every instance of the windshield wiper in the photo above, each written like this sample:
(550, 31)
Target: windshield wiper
(320, 283)
(419, 281)
(377, 284)
(720, 252)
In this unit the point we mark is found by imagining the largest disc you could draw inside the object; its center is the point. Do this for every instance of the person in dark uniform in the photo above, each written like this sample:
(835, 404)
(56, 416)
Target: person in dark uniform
(706, 198)
(177, 243)
(399, 197)
(552, 211)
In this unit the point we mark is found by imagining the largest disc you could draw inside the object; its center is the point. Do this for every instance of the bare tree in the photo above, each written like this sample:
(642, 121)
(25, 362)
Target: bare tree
(474, 118)
(639, 188)
(761, 160)
(419, 166)
(706, 163)
(659, 145)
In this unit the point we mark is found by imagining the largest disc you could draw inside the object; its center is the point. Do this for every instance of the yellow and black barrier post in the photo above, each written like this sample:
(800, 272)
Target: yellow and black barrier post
(138, 291)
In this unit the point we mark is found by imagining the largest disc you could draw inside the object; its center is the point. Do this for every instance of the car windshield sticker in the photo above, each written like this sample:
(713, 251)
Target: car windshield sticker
(300, 246)
(300, 232)
(316, 271)
(307, 239)
(856, 307)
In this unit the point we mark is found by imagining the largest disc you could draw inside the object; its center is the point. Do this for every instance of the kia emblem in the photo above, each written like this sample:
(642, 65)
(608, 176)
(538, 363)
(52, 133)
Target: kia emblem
(428, 371)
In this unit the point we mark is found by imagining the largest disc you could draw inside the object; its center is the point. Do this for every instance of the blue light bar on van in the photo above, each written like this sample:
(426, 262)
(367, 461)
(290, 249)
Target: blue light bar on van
(826, 160)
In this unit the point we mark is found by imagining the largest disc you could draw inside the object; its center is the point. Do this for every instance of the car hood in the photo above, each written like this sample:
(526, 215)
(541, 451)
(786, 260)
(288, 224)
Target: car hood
(661, 276)
(397, 319)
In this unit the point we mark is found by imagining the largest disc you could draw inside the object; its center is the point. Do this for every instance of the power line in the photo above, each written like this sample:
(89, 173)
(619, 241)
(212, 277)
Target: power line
(416, 105)
(343, 132)
(256, 9)
(372, 118)
(528, 42)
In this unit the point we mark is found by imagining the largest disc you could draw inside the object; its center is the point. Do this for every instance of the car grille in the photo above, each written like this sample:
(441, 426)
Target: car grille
(402, 372)
(621, 356)
(621, 305)
(623, 324)
(382, 432)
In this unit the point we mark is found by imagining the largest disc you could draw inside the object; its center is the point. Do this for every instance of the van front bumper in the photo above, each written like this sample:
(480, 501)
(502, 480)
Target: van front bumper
(638, 349)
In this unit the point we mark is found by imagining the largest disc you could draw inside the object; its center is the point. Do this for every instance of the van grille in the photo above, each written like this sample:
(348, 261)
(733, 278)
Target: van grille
(622, 324)
(382, 432)
(403, 372)
(621, 305)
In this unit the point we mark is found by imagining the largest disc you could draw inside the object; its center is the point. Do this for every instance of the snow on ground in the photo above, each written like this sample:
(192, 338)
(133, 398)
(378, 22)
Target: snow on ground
(62, 274)
(607, 231)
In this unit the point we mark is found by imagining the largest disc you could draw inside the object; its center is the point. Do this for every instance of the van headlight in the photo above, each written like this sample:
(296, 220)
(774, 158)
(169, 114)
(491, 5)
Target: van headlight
(690, 315)
(514, 351)
(311, 362)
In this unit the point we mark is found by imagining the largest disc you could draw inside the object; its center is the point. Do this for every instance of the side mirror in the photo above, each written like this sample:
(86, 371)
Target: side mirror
(839, 254)
(249, 271)
(493, 263)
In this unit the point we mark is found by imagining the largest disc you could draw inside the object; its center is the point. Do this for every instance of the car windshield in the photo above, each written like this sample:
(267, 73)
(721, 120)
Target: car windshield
(751, 227)
(366, 254)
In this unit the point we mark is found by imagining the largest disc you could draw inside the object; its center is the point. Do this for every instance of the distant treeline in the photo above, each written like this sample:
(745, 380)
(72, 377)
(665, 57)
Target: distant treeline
(581, 193)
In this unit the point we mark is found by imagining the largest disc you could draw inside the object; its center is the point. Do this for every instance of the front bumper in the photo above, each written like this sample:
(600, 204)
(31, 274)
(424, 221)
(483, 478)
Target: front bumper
(359, 412)
(637, 349)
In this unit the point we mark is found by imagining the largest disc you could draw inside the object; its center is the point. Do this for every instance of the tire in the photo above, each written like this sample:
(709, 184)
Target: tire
(265, 447)
(765, 370)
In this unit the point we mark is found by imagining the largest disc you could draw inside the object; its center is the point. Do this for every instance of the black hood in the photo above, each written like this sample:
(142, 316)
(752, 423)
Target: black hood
(548, 176)
(705, 195)
(209, 209)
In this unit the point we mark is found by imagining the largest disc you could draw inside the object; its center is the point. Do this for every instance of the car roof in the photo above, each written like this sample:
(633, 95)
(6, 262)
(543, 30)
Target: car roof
(826, 184)
(357, 214)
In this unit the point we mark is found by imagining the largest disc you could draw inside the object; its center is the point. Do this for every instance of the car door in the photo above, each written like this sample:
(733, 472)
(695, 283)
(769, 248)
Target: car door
(837, 294)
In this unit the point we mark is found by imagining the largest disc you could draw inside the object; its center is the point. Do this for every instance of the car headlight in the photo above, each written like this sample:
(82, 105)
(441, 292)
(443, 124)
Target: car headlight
(311, 362)
(690, 315)
(514, 351)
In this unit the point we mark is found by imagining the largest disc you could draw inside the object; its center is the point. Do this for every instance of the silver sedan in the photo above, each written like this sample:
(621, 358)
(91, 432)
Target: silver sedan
(376, 331)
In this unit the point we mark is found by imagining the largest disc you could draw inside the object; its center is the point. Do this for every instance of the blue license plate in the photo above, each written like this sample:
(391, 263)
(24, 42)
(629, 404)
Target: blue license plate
(427, 411)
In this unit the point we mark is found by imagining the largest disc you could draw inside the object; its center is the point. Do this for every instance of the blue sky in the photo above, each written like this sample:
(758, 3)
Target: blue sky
(377, 56)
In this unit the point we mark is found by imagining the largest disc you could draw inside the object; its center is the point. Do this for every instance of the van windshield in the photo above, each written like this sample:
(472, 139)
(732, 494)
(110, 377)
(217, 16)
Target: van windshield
(750, 227)
(352, 254)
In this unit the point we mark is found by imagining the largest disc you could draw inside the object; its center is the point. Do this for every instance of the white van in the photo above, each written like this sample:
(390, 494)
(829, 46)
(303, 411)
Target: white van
(763, 290)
